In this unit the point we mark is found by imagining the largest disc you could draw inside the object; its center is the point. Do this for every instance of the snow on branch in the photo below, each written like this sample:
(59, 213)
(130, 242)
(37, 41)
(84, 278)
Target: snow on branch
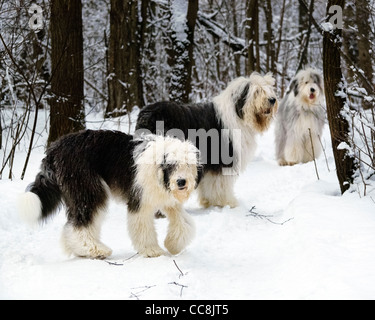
(218, 31)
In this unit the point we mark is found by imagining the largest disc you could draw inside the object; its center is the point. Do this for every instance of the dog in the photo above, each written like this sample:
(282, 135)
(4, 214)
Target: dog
(149, 173)
(300, 119)
(224, 130)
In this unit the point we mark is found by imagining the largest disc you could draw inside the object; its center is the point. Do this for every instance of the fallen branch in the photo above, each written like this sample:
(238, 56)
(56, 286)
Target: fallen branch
(261, 216)
(313, 154)
(182, 274)
(180, 285)
(144, 288)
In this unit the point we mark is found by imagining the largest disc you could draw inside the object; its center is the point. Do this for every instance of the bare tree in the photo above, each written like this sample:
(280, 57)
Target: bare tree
(364, 46)
(333, 82)
(252, 36)
(180, 51)
(67, 110)
(125, 89)
(270, 48)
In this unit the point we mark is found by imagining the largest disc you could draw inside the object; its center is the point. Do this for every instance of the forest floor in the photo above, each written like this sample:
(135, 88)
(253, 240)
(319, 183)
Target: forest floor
(292, 237)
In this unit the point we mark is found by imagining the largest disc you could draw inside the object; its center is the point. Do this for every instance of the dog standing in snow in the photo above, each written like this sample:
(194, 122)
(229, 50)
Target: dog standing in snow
(149, 174)
(300, 120)
(224, 129)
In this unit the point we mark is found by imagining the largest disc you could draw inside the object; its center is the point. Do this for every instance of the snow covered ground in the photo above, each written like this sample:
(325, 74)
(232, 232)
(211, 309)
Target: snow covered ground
(292, 237)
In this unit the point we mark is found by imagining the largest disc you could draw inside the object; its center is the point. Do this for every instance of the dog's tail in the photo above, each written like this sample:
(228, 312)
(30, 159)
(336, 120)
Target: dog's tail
(42, 197)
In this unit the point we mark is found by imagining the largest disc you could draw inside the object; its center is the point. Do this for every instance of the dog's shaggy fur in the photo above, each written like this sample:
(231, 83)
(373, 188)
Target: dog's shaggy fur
(300, 119)
(149, 174)
(224, 130)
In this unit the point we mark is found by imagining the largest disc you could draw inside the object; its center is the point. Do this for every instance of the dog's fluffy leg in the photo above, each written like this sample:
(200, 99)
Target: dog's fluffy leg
(294, 150)
(181, 229)
(142, 232)
(217, 190)
(85, 241)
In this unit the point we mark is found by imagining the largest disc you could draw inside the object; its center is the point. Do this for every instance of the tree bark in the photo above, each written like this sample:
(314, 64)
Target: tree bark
(333, 82)
(305, 29)
(180, 54)
(67, 110)
(252, 36)
(271, 63)
(364, 46)
(125, 90)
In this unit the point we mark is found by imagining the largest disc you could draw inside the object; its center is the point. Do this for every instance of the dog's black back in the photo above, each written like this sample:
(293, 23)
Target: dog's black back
(189, 116)
(75, 168)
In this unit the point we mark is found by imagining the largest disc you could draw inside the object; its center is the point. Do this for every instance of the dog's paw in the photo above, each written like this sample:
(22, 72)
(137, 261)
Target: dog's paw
(99, 251)
(152, 252)
(205, 203)
(180, 236)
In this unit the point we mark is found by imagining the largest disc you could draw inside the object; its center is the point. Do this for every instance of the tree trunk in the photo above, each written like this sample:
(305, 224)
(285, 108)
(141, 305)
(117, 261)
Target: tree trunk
(339, 126)
(305, 27)
(180, 55)
(125, 90)
(237, 57)
(364, 48)
(252, 36)
(67, 110)
(271, 63)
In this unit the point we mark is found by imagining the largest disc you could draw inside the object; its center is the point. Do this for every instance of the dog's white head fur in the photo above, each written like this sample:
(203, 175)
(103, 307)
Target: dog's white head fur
(174, 163)
(307, 88)
(248, 102)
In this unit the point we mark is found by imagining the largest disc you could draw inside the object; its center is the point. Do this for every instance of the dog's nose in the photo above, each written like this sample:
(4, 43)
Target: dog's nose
(312, 90)
(272, 101)
(181, 183)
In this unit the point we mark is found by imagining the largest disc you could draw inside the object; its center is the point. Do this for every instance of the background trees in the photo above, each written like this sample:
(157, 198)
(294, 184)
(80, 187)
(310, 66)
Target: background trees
(131, 53)
(125, 89)
(66, 102)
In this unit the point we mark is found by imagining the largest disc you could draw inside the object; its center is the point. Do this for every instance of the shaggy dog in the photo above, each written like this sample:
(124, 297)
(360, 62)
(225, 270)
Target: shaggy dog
(300, 120)
(224, 130)
(149, 174)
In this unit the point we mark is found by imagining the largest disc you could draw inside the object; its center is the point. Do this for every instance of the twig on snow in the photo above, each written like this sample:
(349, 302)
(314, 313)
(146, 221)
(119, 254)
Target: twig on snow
(114, 263)
(262, 216)
(313, 154)
(144, 288)
(182, 274)
(180, 285)
(120, 264)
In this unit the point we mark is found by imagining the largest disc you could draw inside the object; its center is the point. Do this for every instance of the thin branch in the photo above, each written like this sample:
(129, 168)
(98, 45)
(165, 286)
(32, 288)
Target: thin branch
(313, 154)
(180, 285)
(261, 216)
(182, 274)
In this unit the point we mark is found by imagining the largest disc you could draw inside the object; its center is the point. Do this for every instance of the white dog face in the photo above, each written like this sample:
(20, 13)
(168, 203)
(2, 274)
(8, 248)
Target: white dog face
(307, 86)
(173, 164)
(256, 101)
(180, 169)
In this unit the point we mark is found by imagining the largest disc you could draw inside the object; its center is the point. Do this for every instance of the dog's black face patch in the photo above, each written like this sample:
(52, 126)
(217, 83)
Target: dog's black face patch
(239, 104)
(294, 87)
(168, 169)
(317, 80)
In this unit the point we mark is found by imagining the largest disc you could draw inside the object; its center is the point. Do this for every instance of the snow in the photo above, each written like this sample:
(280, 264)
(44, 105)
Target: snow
(292, 237)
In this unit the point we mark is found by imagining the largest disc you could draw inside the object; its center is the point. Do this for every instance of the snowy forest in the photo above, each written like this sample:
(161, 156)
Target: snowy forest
(75, 58)
(80, 57)
(299, 232)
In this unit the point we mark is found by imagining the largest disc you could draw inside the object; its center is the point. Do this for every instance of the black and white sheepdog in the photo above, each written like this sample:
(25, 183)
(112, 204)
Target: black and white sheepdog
(149, 174)
(300, 119)
(224, 130)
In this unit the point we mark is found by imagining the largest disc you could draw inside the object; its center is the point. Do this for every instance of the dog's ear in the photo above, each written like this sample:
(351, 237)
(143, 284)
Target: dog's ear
(199, 175)
(318, 80)
(241, 100)
(199, 168)
(294, 87)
